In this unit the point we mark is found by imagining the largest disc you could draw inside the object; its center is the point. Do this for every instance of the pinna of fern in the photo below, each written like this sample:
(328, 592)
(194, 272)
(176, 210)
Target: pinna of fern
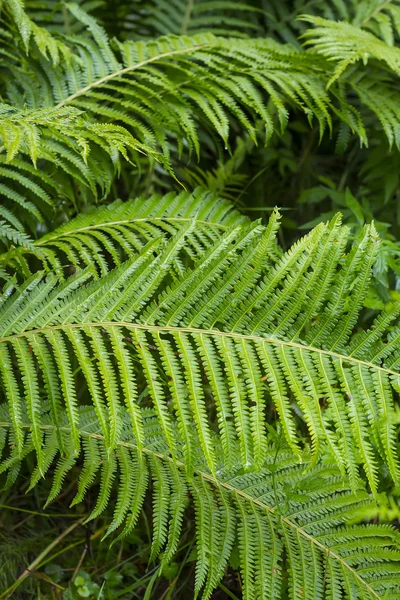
(239, 328)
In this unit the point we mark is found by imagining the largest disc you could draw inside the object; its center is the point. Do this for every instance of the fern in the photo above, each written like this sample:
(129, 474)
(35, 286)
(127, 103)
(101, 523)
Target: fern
(164, 346)
(193, 17)
(114, 232)
(379, 16)
(284, 323)
(348, 44)
(287, 524)
(48, 46)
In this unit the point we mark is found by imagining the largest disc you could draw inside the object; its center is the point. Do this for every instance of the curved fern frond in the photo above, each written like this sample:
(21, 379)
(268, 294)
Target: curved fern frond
(30, 131)
(382, 18)
(237, 330)
(86, 151)
(289, 522)
(152, 88)
(110, 234)
(345, 45)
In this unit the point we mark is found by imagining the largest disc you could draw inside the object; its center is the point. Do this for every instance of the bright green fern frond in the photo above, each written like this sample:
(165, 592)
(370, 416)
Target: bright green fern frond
(50, 47)
(152, 88)
(21, 132)
(62, 138)
(112, 233)
(238, 330)
(116, 100)
(288, 521)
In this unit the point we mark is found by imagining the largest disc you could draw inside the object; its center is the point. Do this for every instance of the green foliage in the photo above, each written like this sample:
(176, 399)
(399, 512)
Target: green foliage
(285, 324)
(281, 519)
(109, 100)
(120, 229)
(204, 387)
(222, 17)
(49, 47)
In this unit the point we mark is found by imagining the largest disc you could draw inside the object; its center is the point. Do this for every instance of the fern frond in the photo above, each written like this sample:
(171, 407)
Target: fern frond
(237, 329)
(345, 45)
(348, 44)
(222, 17)
(114, 232)
(13, 230)
(152, 88)
(289, 521)
(66, 139)
(382, 18)
(49, 46)
(21, 132)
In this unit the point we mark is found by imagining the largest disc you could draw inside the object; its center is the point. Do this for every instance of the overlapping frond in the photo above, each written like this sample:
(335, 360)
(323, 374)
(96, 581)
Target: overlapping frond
(168, 347)
(289, 522)
(234, 333)
(50, 47)
(138, 97)
(106, 236)
(347, 44)
(153, 88)
(222, 17)
(56, 133)
(63, 138)
(382, 18)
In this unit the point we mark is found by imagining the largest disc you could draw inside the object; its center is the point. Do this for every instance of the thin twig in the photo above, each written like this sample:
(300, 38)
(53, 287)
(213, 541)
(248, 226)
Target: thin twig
(39, 559)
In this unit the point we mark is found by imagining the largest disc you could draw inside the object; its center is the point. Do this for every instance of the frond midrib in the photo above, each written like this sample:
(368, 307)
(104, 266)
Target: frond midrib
(210, 332)
(129, 69)
(376, 11)
(225, 485)
(43, 241)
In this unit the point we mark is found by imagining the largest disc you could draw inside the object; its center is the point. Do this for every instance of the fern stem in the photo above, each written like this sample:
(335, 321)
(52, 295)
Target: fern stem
(211, 332)
(39, 559)
(128, 70)
(187, 17)
(36, 513)
(46, 241)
